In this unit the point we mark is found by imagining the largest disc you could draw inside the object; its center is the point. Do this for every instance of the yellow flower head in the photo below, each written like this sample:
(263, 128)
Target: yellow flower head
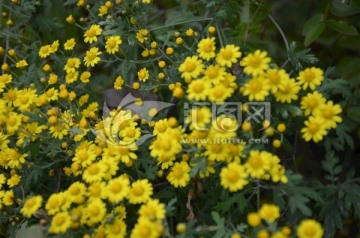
(255, 63)
(310, 78)
(21, 64)
(140, 191)
(179, 175)
(258, 163)
(256, 88)
(143, 74)
(118, 189)
(60, 223)
(206, 48)
(198, 90)
(287, 91)
(118, 84)
(31, 206)
(329, 112)
(311, 102)
(91, 58)
(228, 55)
(233, 177)
(95, 211)
(112, 44)
(153, 210)
(142, 35)
(314, 129)
(269, 212)
(275, 78)
(309, 228)
(92, 33)
(72, 64)
(45, 51)
(191, 68)
(70, 44)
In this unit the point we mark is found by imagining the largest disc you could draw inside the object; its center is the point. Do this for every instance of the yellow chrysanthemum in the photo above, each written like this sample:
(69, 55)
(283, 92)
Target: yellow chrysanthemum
(214, 73)
(118, 189)
(256, 88)
(31, 206)
(13, 122)
(60, 223)
(72, 64)
(92, 33)
(21, 64)
(142, 35)
(329, 112)
(191, 68)
(91, 58)
(179, 175)
(269, 212)
(153, 210)
(45, 51)
(309, 228)
(206, 48)
(145, 229)
(116, 229)
(112, 44)
(59, 130)
(118, 84)
(94, 173)
(143, 74)
(199, 118)
(198, 90)
(314, 129)
(233, 177)
(310, 78)
(287, 91)
(69, 44)
(257, 163)
(55, 203)
(255, 63)
(228, 55)
(140, 191)
(311, 102)
(219, 93)
(275, 77)
(95, 211)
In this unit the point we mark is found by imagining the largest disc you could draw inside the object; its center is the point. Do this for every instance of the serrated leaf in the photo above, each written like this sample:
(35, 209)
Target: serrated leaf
(342, 27)
(314, 33)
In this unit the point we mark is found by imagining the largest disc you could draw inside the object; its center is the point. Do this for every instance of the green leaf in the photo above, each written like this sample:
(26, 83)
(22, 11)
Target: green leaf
(225, 205)
(354, 113)
(342, 27)
(314, 33)
(220, 223)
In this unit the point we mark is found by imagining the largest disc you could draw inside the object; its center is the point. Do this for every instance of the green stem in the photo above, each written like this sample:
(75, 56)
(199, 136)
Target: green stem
(183, 22)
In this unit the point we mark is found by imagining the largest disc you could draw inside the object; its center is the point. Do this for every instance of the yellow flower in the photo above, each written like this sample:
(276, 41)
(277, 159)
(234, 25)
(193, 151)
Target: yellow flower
(311, 102)
(60, 223)
(75, 190)
(198, 90)
(31, 206)
(215, 74)
(253, 219)
(153, 210)
(179, 175)
(329, 113)
(69, 44)
(287, 91)
(190, 32)
(91, 58)
(206, 48)
(145, 228)
(45, 51)
(228, 55)
(94, 173)
(21, 64)
(142, 35)
(143, 74)
(103, 10)
(275, 78)
(116, 229)
(59, 130)
(70, 19)
(255, 63)
(13, 122)
(257, 163)
(71, 77)
(233, 177)
(219, 93)
(8, 198)
(310, 78)
(95, 211)
(191, 68)
(55, 203)
(118, 189)
(54, 46)
(72, 64)
(112, 44)
(118, 84)
(314, 129)
(14, 180)
(92, 33)
(269, 212)
(256, 88)
(140, 191)
(309, 228)
(199, 118)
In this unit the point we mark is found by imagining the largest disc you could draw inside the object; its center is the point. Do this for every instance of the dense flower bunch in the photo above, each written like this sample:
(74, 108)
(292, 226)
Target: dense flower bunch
(107, 167)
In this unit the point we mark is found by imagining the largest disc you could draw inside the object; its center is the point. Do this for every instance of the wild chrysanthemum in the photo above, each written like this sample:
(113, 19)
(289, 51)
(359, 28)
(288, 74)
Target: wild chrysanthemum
(59, 130)
(69, 44)
(95, 211)
(214, 74)
(256, 88)
(219, 93)
(143, 74)
(206, 48)
(314, 129)
(142, 35)
(60, 223)
(145, 228)
(309, 228)
(269, 212)
(76, 189)
(311, 102)
(85, 77)
(199, 118)
(92, 33)
(112, 44)
(233, 177)
(55, 203)
(275, 77)
(255, 63)
(116, 229)
(85, 154)
(45, 51)
(287, 91)
(94, 173)
(310, 78)
(21, 64)
(179, 175)
(198, 90)
(31, 206)
(25, 99)
(191, 68)
(153, 210)
(13, 122)
(72, 64)
(257, 163)
(228, 55)
(91, 58)
(329, 112)
(140, 191)
(118, 189)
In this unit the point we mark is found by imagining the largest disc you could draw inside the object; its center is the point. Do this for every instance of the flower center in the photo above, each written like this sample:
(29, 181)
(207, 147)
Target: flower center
(310, 231)
(166, 145)
(138, 190)
(59, 220)
(190, 66)
(91, 33)
(232, 176)
(94, 210)
(327, 113)
(227, 54)
(111, 43)
(255, 162)
(313, 128)
(178, 173)
(93, 169)
(116, 187)
(198, 88)
(309, 76)
(11, 121)
(90, 55)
